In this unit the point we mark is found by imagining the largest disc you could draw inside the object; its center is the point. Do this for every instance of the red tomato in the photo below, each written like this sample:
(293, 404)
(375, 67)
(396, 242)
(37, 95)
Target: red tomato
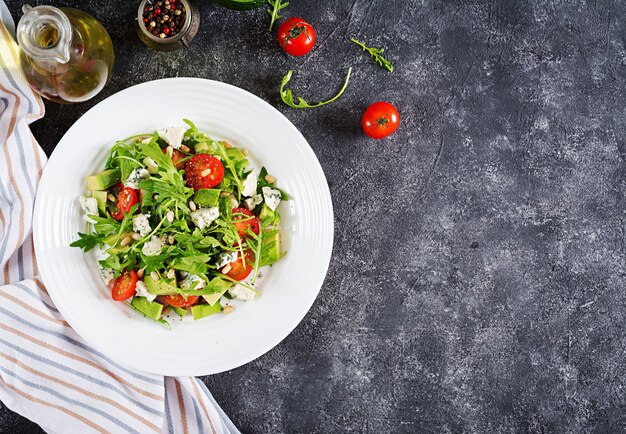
(240, 270)
(125, 201)
(296, 36)
(249, 221)
(380, 119)
(204, 171)
(180, 301)
(176, 157)
(124, 286)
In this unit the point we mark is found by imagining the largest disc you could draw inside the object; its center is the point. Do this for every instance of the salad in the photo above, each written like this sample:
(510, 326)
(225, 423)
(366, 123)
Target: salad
(182, 222)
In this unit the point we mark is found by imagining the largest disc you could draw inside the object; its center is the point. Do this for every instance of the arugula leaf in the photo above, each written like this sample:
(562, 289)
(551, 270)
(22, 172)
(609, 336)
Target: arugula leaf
(87, 242)
(376, 53)
(277, 6)
(287, 96)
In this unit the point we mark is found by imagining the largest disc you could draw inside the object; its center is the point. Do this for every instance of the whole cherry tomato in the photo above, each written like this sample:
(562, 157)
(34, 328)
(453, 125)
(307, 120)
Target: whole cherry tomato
(296, 36)
(380, 119)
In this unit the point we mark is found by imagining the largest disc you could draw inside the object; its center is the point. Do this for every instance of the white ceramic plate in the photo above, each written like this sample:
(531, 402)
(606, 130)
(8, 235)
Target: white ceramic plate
(220, 342)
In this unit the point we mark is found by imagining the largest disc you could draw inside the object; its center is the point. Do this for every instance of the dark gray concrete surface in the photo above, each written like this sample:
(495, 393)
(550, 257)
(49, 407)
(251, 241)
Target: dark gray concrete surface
(478, 276)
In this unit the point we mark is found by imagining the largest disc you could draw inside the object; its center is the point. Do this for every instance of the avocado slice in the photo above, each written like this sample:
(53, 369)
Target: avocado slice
(203, 148)
(161, 286)
(270, 250)
(201, 310)
(151, 309)
(206, 197)
(220, 286)
(214, 298)
(180, 311)
(235, 155)
(103, 180)
(101, 197)
(269, 217)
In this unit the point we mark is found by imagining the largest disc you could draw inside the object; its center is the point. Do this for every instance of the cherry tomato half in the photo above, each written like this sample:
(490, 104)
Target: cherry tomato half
(380, 119)
(176, 157)
(245, 221)
(124, 286)
(296, 36)
(204, 171)
(125, 201)
(180, 301)
(239, 269)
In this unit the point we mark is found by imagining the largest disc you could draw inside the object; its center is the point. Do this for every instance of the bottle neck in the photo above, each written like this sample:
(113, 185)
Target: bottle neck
(44, 33)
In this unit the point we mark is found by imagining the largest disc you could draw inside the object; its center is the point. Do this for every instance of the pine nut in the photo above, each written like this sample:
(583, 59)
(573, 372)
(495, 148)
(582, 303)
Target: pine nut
(192, 205)
(245, 152)
(171, 273)
(154, 275)
(227, 145)
(170, 151)
(270, 179)
(217, 156)
(170, 239)
(126, 241)
(140, 272)
(226, 269)
(170, 216)
(225, 193)
(136, 236)
(184, 148)
(111, 197)
(228, 309)
(205, 172)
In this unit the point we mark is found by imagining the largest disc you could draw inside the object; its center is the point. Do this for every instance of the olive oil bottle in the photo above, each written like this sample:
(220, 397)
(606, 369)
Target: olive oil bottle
(66, 54)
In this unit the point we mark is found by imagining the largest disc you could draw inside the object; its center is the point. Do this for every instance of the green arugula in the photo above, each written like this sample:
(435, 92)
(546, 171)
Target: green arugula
(287, 95)
(376, 53)
(276, 6)
(88, 242)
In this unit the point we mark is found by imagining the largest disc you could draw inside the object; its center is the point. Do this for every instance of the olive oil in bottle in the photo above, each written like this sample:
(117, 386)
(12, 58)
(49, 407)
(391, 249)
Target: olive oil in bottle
(67, 55)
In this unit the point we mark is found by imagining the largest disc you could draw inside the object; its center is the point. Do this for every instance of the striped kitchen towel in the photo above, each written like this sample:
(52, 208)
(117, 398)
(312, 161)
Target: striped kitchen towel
(47, 372)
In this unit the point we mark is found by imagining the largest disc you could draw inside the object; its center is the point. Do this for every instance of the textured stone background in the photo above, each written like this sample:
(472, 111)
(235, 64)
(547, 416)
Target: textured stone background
(477, 281)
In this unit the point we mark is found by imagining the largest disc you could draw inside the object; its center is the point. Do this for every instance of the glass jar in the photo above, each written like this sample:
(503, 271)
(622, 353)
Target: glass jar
(161, 41)
(66, 54)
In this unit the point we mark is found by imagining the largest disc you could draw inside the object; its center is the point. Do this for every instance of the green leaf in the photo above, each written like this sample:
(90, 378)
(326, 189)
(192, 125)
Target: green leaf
(276, 6)
(87, 242)
(287, 95)
(376, 53)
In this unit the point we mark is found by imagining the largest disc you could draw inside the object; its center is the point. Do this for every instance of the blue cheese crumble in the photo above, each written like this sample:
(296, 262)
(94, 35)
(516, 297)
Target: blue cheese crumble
(173, 136)
(135, 176)
(250, 183)
(203, 217)
(153, 247)
(141, 224)
(272, 197)
(142, 290)
(89, 206)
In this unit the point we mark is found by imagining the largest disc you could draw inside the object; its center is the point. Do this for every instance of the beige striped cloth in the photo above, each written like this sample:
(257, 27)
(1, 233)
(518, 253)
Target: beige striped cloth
(47, 372)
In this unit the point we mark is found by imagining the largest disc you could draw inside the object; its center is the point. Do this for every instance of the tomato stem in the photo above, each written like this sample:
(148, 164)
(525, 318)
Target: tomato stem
(382, 121)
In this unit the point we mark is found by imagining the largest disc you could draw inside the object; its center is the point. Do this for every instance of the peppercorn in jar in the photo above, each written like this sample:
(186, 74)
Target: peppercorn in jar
(167, 24)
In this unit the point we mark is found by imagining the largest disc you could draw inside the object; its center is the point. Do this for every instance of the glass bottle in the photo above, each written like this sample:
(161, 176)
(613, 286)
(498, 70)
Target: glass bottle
(67, 55)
